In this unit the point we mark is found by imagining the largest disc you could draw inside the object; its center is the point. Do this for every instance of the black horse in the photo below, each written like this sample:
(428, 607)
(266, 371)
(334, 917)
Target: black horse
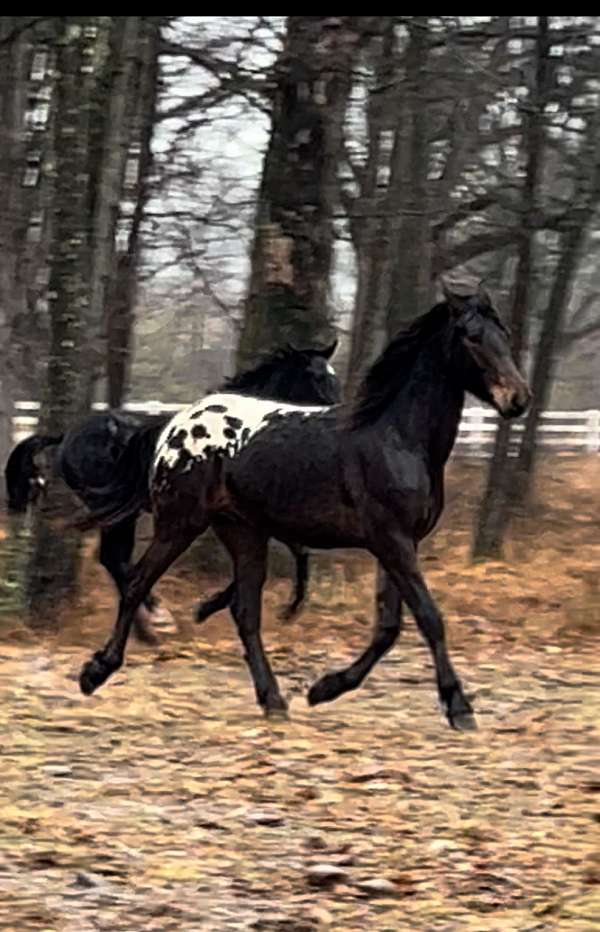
(98, 455)
(370, 476)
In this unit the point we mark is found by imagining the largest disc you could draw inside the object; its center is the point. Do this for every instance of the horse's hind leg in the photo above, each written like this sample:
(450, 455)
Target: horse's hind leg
(248, 549)
(215, 603)
(116, 548)
(388, 625)
(157, 559)
(222, 599)
(301, 557)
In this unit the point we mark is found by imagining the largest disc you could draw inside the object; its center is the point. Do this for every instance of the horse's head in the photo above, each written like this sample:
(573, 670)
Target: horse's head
(315, 378)
(303, 377)
(487, 367)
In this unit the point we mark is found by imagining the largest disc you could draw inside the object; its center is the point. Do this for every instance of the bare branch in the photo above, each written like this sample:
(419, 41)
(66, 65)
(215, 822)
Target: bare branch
(20, 28)
(569, 337)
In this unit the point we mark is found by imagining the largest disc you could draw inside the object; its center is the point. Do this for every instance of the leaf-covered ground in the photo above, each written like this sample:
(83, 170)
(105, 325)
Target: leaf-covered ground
(166, 802)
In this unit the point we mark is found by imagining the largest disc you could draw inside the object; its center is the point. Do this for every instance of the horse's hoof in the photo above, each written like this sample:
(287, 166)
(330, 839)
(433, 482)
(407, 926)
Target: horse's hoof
(326, 689)
(93, 674)
(460, 714)
(289, 612)
(277, 713)
(464, 722)
(201, 613)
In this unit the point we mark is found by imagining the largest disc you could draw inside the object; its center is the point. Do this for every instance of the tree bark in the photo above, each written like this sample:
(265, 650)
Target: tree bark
(14, 64)
(114, 130)
(54, 560)
(369, 230)
(410, 258)
(122, 300)
(546, 352)
(293, 245)
(498, 499)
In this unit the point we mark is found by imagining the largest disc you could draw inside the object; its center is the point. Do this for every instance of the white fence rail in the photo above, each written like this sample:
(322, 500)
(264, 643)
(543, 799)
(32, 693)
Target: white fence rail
(561, 431)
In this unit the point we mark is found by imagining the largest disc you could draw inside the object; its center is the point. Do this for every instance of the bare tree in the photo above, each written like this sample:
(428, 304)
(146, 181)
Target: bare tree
(509, 480)
(288, 297)
(113, 135)
(122, 295)
(413, 181)
(495, 503)
(17, 42)
(54, 558)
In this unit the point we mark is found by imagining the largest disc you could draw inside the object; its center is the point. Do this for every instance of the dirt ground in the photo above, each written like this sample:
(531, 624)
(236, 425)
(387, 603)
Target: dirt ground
(166, 802)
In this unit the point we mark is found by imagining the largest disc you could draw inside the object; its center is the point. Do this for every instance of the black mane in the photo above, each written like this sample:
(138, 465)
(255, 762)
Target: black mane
(390, 371)
(291, 375)
(261, 374)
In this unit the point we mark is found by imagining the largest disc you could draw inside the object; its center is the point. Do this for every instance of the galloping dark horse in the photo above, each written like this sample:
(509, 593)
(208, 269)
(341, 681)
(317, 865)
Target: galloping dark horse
(370, 476)
(114, 450)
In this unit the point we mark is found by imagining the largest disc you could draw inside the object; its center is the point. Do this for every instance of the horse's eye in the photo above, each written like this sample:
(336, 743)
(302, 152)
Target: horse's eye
(470, 328)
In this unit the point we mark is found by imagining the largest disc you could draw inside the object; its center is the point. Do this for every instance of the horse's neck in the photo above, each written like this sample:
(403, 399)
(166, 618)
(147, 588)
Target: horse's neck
(427, 408)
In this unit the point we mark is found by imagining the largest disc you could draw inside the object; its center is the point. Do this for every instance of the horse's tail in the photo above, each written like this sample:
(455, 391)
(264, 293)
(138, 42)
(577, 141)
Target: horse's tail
(127, 493)
(21, 471)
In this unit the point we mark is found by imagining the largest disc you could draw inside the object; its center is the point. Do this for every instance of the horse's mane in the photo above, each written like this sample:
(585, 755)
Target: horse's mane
(393, 367)
(260, 374)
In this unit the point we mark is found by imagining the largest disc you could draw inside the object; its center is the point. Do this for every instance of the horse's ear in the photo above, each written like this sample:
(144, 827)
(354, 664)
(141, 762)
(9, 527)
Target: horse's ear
(454, 301)
(328, 351)
(483, 295)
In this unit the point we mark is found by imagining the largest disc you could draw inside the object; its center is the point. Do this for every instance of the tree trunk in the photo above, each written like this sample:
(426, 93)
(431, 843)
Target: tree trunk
(546, 351)
(53, 565)
(410, 258)
(393, 268)
(369, 230)
(497, 502)
(293, 246)
(115, 132)
(14, 64)
(122, 301)
(495, 507)
(17, 277)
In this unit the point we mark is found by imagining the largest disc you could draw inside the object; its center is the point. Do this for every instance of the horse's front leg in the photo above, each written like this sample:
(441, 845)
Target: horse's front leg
(397, 554)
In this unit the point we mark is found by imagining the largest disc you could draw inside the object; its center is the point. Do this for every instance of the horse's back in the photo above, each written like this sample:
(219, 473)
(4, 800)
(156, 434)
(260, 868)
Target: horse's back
(221, 425)
(238, 454)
